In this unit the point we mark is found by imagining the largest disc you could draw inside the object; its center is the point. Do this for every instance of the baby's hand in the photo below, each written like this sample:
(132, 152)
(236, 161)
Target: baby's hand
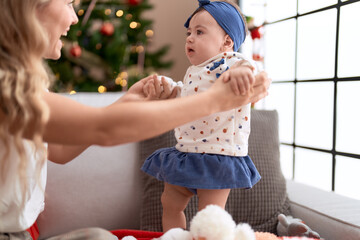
(241, 79)
(158, 89)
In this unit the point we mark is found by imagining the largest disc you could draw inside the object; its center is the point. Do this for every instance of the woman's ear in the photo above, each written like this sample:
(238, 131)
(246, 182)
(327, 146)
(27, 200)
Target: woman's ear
(228, 43)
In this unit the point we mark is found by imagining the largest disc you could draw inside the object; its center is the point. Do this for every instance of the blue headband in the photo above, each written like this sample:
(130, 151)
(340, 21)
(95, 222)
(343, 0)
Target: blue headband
(228, 17)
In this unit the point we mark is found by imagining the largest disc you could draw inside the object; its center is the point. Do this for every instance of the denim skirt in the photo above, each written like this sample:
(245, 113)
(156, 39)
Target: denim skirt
(201, 170)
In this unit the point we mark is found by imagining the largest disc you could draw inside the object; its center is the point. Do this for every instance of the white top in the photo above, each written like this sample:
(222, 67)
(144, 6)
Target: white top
(224, 133)
(14, 218)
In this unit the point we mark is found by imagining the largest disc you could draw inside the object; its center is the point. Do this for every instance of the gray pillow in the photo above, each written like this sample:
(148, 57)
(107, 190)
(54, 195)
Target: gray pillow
(258, 206)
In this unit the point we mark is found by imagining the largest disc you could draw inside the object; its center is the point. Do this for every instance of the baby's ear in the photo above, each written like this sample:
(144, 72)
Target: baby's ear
(228, 43)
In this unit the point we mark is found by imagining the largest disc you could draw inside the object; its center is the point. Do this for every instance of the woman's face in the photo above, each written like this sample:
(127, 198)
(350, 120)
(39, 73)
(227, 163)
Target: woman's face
(56, 17)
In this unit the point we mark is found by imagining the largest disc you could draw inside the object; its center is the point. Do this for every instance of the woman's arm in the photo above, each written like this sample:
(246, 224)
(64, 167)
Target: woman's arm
(60, 153)
(74, 123)
(72, 126)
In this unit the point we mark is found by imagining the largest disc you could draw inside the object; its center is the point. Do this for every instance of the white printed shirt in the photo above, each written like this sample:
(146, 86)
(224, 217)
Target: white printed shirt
(224, 133)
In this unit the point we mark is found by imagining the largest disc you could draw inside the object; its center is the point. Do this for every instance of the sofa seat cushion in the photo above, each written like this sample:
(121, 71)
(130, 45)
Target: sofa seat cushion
(331, 215)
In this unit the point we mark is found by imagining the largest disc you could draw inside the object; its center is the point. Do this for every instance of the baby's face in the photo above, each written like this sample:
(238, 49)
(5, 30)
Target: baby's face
(205, 38)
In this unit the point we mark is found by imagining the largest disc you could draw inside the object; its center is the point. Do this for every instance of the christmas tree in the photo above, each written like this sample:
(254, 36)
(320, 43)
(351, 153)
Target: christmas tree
(107, 49)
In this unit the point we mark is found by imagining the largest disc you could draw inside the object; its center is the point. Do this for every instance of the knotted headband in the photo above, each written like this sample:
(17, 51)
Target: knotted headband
(228, 17)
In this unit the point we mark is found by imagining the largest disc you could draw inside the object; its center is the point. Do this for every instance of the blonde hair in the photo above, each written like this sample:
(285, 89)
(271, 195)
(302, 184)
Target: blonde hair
(23, 79)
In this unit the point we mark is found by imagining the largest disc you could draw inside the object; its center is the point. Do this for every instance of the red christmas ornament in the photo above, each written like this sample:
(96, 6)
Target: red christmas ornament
(257, 57)
(75, 51)
(134, 2)
(107, 29)
(255, 33)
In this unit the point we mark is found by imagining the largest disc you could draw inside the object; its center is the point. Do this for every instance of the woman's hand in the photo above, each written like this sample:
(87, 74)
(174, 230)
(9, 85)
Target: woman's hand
(261, 86)
(158, 89)
(149, 88)
(242, 82)
(136, 92)
(227, 99)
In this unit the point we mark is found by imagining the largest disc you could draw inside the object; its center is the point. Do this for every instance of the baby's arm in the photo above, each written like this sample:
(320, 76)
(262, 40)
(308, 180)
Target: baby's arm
(243, 79)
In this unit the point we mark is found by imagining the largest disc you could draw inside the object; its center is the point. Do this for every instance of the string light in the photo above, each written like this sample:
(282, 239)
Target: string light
(119, 13)
(123, 74)
(149, 33)
(123, 83)
(140, 49)
(133, 25)
(107, 11)
(121, 79)
(72, 92)
(81, 12)
(101, 89)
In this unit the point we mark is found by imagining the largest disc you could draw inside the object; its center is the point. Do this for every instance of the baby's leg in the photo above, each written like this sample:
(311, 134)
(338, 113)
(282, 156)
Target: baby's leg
(212, 196)
(174, 201)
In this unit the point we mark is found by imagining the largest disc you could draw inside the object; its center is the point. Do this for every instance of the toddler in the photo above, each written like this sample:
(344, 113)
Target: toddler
(211, 154)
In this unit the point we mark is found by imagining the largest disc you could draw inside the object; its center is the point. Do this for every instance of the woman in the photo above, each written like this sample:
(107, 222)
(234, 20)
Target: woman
(36, 125)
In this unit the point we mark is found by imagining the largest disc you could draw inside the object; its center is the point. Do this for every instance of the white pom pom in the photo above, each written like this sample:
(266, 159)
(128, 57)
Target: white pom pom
(128, 238)
(213, 223)
(176, 234)
(243, 231)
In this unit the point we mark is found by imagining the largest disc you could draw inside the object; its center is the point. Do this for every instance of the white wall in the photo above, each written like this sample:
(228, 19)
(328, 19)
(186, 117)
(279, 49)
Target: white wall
(169, 17)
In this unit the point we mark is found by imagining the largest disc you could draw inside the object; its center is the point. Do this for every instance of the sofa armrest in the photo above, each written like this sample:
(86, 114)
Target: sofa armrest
(333, 216)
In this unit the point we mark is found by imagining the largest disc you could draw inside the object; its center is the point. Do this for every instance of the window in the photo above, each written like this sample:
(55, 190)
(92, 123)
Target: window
(311, 51)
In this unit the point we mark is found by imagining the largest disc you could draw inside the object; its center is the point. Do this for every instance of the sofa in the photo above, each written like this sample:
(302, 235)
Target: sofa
(104, 187)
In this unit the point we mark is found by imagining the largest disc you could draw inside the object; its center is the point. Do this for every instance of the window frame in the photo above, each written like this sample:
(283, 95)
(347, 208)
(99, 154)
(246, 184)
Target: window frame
(335, 80)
